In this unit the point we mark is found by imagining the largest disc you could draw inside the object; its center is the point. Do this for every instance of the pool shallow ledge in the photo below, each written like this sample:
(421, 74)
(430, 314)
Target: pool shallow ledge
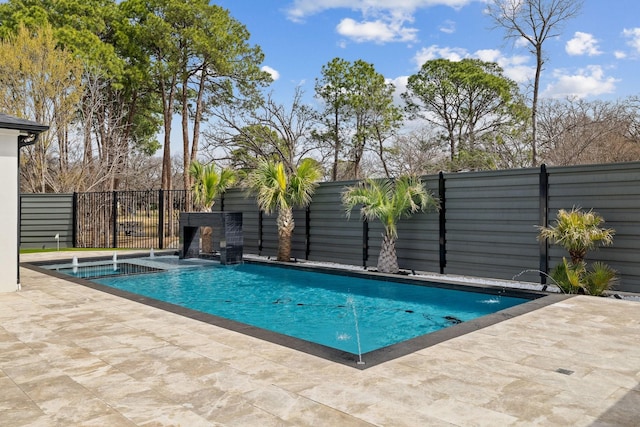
(369, 359)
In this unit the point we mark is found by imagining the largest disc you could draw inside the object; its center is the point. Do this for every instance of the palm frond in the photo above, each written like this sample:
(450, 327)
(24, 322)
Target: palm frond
(387, 200)
(577, 231)
(208, 183)
(276, 189)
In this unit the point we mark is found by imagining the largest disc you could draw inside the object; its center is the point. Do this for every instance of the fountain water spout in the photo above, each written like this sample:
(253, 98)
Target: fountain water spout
(544, 274)
(115, 261)
(74, 264)
(351, 302)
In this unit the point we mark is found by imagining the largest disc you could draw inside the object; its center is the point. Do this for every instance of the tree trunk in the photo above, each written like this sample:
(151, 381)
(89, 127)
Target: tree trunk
(534, 107)
(336, 153)
(388, 260)
(285, 231)
(206, 236)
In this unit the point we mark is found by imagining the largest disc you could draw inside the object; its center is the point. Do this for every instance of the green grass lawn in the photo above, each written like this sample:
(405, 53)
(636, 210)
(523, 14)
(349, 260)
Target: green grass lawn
(38, 250)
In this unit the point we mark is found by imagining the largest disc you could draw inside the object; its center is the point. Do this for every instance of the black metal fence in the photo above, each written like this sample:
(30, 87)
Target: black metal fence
(486, 227)
(128, 219)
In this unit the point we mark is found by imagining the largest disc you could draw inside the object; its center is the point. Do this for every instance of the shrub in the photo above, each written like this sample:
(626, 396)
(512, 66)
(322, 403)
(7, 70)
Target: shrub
(577, 279)
(577, 232)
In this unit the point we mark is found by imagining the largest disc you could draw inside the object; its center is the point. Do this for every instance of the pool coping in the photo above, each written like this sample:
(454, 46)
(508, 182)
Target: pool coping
(539, 299)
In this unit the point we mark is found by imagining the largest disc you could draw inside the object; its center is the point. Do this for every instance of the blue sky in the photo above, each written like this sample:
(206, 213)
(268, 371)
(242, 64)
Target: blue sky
(596, 56)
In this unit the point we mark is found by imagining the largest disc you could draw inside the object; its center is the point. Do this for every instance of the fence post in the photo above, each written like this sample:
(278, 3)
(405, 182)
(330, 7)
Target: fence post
(259, 231)
(114, 218)
(74, 219)
(442, 222)
(544, 221)
(307, 232)
(160, 219)
(365, 242)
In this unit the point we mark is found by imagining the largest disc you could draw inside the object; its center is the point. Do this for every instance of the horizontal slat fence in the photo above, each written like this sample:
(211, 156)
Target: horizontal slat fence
(43, 216)
(333, 237)
(487, 226)
(418, 237)
(613, 191)
(490, 223)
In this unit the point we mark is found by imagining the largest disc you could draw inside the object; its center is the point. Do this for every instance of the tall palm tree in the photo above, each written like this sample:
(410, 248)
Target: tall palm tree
(207, 185)
(280, 189)
(388, 201)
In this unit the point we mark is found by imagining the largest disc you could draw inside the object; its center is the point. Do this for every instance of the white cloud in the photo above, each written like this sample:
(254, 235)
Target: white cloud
(515, 67)
(633, 34)
(522, 42)
(382, 21)
(434, 52)
(582, 44)
(275, 75)
(400, 84)
(300, 9)
(618, 54)
(377, 31)
(488, 55)
(589, 81)
(448, 27)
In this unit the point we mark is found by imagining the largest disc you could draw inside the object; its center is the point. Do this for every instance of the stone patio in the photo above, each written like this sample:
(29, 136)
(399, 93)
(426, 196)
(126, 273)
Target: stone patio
(74, 356)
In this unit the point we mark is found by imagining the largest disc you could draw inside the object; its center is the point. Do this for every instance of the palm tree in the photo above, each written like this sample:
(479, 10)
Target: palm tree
(577, 232)
(388, 201)
(207, 185)
(281, 189)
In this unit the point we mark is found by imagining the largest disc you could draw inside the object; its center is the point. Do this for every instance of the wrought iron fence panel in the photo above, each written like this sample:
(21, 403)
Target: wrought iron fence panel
(173, 202)
(94, 220)
(129, 219)
(137, 219)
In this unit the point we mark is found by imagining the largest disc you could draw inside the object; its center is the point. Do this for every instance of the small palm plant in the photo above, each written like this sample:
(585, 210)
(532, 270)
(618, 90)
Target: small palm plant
(207, 185)
(578, 232)
(388, 201)
(281, 189)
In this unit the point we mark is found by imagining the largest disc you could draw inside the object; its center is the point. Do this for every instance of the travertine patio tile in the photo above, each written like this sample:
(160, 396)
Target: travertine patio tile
(456, 388)
(397, 414)
(111, 420)
(341, 396)
(151, 408)
(32, 417)
(524, 399)
(464, 414)
(298, 410)
(35, 370)
(410, 395)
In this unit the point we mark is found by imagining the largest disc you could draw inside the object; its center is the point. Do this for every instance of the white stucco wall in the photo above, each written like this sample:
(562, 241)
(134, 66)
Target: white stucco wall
(8, 210)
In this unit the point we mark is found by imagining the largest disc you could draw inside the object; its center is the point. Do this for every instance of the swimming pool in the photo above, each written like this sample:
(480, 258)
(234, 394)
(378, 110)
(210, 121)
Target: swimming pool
(355, 316)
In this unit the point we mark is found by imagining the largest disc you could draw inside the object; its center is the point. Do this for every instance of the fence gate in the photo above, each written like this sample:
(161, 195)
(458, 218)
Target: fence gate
(129, 219)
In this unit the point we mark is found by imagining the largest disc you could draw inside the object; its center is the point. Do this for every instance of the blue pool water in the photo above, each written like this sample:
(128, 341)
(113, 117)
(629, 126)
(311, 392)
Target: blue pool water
(317, 307)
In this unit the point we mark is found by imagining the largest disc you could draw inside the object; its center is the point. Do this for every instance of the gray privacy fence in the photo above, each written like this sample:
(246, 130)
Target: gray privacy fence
(486, 227)
(45, 216)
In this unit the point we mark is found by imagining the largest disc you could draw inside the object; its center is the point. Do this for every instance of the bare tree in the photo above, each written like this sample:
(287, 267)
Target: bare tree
(270, 131)
(418, 152)
(42, 82)
(582, 132)
(535, 21)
